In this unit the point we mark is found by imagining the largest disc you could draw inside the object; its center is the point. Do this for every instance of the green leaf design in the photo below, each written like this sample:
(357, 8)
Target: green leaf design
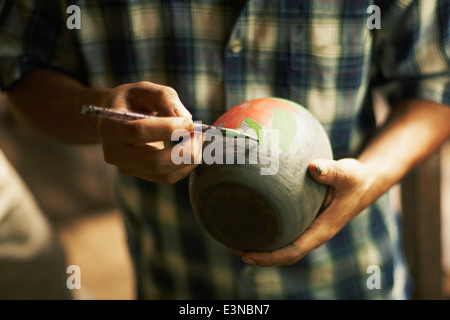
(285, 122)
(257, 127)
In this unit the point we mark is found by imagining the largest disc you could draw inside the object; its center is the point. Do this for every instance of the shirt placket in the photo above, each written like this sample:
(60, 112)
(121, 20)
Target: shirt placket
(234, 57)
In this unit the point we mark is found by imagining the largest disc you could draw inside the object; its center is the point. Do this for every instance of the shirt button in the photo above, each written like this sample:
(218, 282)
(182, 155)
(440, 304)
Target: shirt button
(236, 46)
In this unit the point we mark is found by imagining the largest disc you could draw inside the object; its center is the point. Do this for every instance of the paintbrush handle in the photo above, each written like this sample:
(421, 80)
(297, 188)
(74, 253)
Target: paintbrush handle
(113, 114)
(126, 115)
(129, 116)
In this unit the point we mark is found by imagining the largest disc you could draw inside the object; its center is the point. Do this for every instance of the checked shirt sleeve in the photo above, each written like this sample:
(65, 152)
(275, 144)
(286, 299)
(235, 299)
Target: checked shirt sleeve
(413, 50)
(33, 35)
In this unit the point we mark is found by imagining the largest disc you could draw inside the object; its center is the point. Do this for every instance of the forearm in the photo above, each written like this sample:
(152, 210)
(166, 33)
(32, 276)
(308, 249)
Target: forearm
(50, 102)
(414, 130)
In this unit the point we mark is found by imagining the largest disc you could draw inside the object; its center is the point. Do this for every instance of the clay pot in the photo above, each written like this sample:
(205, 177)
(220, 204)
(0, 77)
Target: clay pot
(269, 200)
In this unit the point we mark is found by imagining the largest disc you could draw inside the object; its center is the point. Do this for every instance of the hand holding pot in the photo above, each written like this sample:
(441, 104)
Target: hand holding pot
(349, 183)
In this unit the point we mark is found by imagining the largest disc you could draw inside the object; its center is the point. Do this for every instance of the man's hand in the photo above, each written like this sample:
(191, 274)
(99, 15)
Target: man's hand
(51, 102)
(137, 147)
(349, 184)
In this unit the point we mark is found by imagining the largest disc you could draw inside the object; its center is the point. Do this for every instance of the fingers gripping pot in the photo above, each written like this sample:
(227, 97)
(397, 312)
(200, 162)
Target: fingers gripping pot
(259, 196)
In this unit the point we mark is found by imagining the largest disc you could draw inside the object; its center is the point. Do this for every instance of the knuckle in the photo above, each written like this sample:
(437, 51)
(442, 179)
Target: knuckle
(138, 86)
(338, 173)
(142, 84)
(341, 177)
(167, 93)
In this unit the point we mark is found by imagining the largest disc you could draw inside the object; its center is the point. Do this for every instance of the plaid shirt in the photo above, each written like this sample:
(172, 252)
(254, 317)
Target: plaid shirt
(217, 54)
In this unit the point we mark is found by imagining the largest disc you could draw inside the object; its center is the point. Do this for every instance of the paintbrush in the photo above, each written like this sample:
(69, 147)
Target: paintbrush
(128, 116)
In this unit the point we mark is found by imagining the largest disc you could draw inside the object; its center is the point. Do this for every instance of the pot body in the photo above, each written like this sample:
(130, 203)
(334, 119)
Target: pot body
(259, 196)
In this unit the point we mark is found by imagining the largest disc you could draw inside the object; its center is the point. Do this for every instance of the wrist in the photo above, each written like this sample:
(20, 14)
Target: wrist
(381, 173)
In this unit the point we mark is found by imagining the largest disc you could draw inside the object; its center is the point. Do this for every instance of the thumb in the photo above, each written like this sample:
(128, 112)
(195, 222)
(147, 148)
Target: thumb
(327, 172)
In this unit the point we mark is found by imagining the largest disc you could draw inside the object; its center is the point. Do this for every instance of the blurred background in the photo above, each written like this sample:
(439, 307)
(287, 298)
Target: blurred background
(74, 188)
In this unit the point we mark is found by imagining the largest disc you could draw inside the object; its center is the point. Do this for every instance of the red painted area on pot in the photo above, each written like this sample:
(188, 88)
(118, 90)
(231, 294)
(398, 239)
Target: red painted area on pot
(259, 110)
